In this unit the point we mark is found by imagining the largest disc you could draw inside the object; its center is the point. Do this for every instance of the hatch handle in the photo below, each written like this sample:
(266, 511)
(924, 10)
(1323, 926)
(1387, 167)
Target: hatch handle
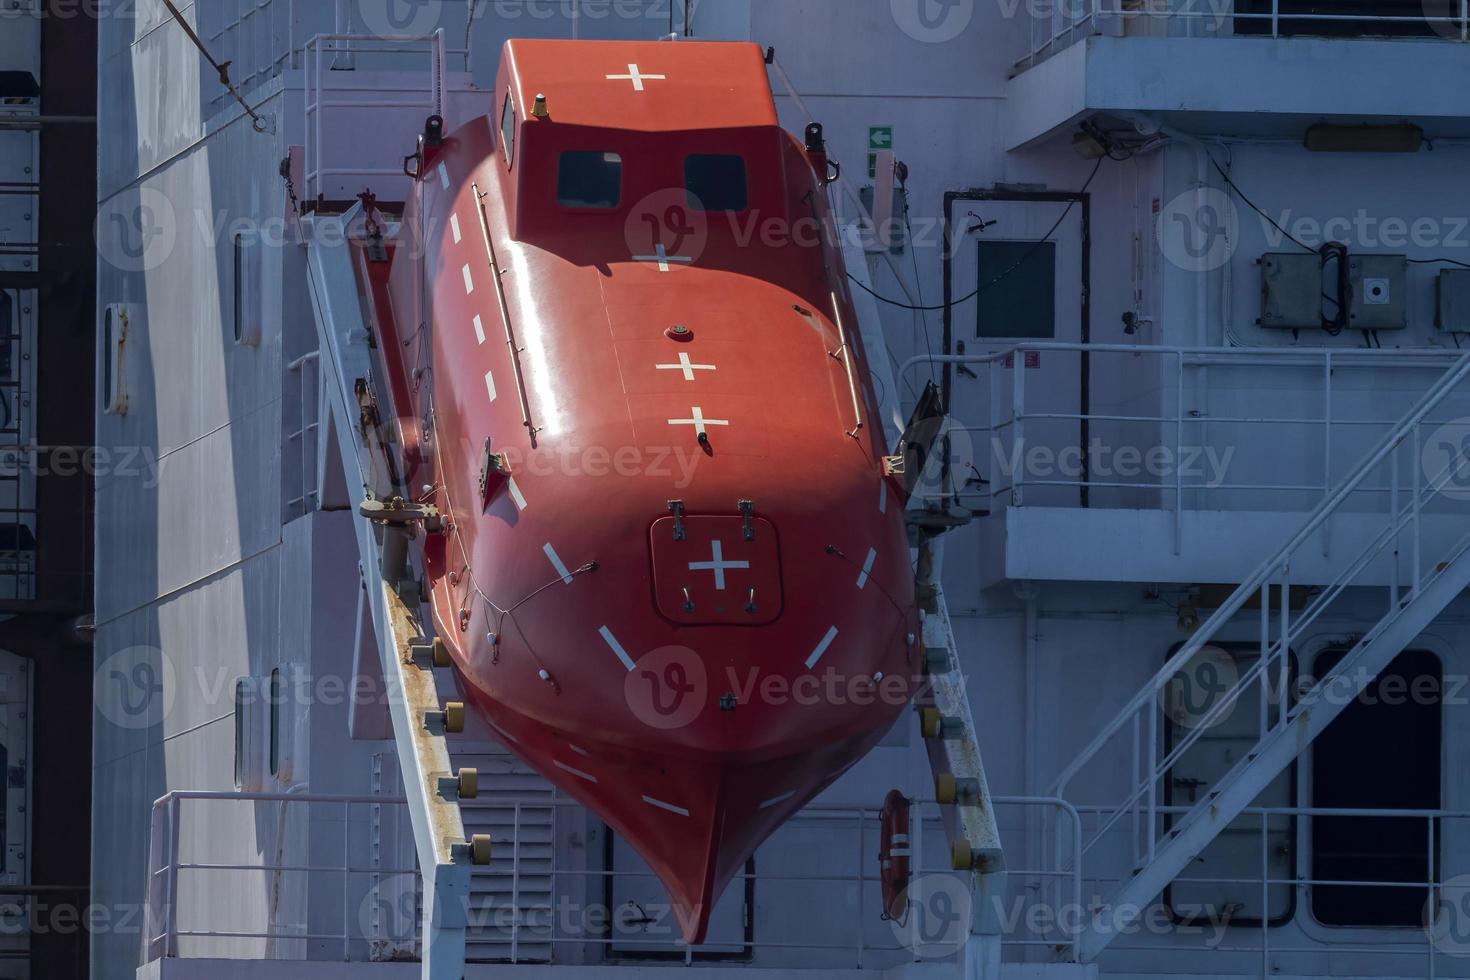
(676, 507)
(747, 510)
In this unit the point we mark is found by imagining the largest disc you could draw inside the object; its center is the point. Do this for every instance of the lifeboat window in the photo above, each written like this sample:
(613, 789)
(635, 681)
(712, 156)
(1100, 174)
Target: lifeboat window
(716, 182)
(508, 131)
(589, 180)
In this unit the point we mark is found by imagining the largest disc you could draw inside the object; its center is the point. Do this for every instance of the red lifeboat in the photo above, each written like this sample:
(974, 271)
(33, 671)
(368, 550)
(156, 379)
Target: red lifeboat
(674, 576)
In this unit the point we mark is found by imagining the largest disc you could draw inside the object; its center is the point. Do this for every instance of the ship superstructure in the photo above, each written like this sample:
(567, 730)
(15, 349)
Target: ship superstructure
(1162, 369)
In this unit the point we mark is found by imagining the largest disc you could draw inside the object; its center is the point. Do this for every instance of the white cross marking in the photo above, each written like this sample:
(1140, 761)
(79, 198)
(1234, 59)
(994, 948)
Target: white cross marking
(685, 366)
(699, 421)
(719, 566)
(663, 258)
(637, 78)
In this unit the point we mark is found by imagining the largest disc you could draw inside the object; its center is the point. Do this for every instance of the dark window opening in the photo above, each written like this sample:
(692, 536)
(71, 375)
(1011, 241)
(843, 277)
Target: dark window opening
(716, 182)
(1297, 18)
(276, 721)
(107, 359)
(1018, 295)
(9, 340)
(589, 180)
(508, 130)
(239, 288)
(239, 734)
(1381, 753)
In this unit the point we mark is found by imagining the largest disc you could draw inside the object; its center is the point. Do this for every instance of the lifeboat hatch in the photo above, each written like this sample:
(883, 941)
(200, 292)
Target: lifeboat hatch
(717, 570)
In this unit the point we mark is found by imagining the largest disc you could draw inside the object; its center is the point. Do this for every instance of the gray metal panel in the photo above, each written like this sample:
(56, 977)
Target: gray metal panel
(1380, 292)
(1291, 290)
(1452, 293)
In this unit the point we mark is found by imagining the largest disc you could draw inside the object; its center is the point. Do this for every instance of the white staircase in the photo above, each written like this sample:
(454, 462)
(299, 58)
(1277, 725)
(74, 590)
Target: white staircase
(1424, 576)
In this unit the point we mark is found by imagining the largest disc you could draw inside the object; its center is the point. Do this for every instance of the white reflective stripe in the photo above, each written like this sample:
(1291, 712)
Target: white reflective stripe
(575, 772)
(515, 494)
(617, 647)
(444, 176)
(666, 806)
(490, 384)
(867, 567)
(454, 227)
(821, 648)
(503, 733)
(900, 839)
(479, 329)
(469, 281)
(899, 852)
(556, 563)
(777, 799)
(883, 496)
(578, 749)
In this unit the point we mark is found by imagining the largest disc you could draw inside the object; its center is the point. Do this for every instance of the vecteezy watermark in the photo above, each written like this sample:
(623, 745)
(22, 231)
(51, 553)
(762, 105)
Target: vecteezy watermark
(1370, 231)
(937, 912)
(99, 462)
(1023, 918)
(135, 688)
(404, 18)
(1447, 917)
(1447, 18)
(1198, 230)
(668, 688)
(388, 917)
(674, 464)
(932, 21)
(1019, 461)
(1202, 692)
(666, 229)
(137, 230)
(1445, 459)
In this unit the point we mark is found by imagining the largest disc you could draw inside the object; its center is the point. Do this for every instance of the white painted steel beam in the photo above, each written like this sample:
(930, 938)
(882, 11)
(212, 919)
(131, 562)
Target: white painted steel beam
(413, 699)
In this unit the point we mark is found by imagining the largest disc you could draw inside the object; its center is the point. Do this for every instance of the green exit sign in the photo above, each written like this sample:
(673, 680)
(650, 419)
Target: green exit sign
(880, 138)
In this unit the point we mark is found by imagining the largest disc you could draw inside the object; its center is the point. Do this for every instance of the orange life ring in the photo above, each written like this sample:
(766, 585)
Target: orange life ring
(895, 854)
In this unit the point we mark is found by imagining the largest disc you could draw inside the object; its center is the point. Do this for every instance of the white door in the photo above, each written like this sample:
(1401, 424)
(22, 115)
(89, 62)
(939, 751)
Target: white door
(1025, 258)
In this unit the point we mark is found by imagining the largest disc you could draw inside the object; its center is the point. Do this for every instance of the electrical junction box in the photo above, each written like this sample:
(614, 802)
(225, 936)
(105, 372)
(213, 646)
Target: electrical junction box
(1380, 292)
(1452, 291)
(1291, 290)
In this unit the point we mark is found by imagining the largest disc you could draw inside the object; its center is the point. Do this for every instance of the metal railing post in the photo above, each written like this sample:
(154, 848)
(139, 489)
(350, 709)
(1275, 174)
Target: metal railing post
(1433, 906)
(1018, 412)
(1283, 650)
(1394, 510)
(346, 877)
(1264, 658)
(1327, 449)
(1265, 895)
(171, 908)
(1150, 830)
(515, 883)
(1178, 457)
(862, 819)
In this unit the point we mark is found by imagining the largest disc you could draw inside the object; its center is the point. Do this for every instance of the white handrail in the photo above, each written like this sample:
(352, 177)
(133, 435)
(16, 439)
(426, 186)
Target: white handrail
(1267, 570)
(167, 866)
